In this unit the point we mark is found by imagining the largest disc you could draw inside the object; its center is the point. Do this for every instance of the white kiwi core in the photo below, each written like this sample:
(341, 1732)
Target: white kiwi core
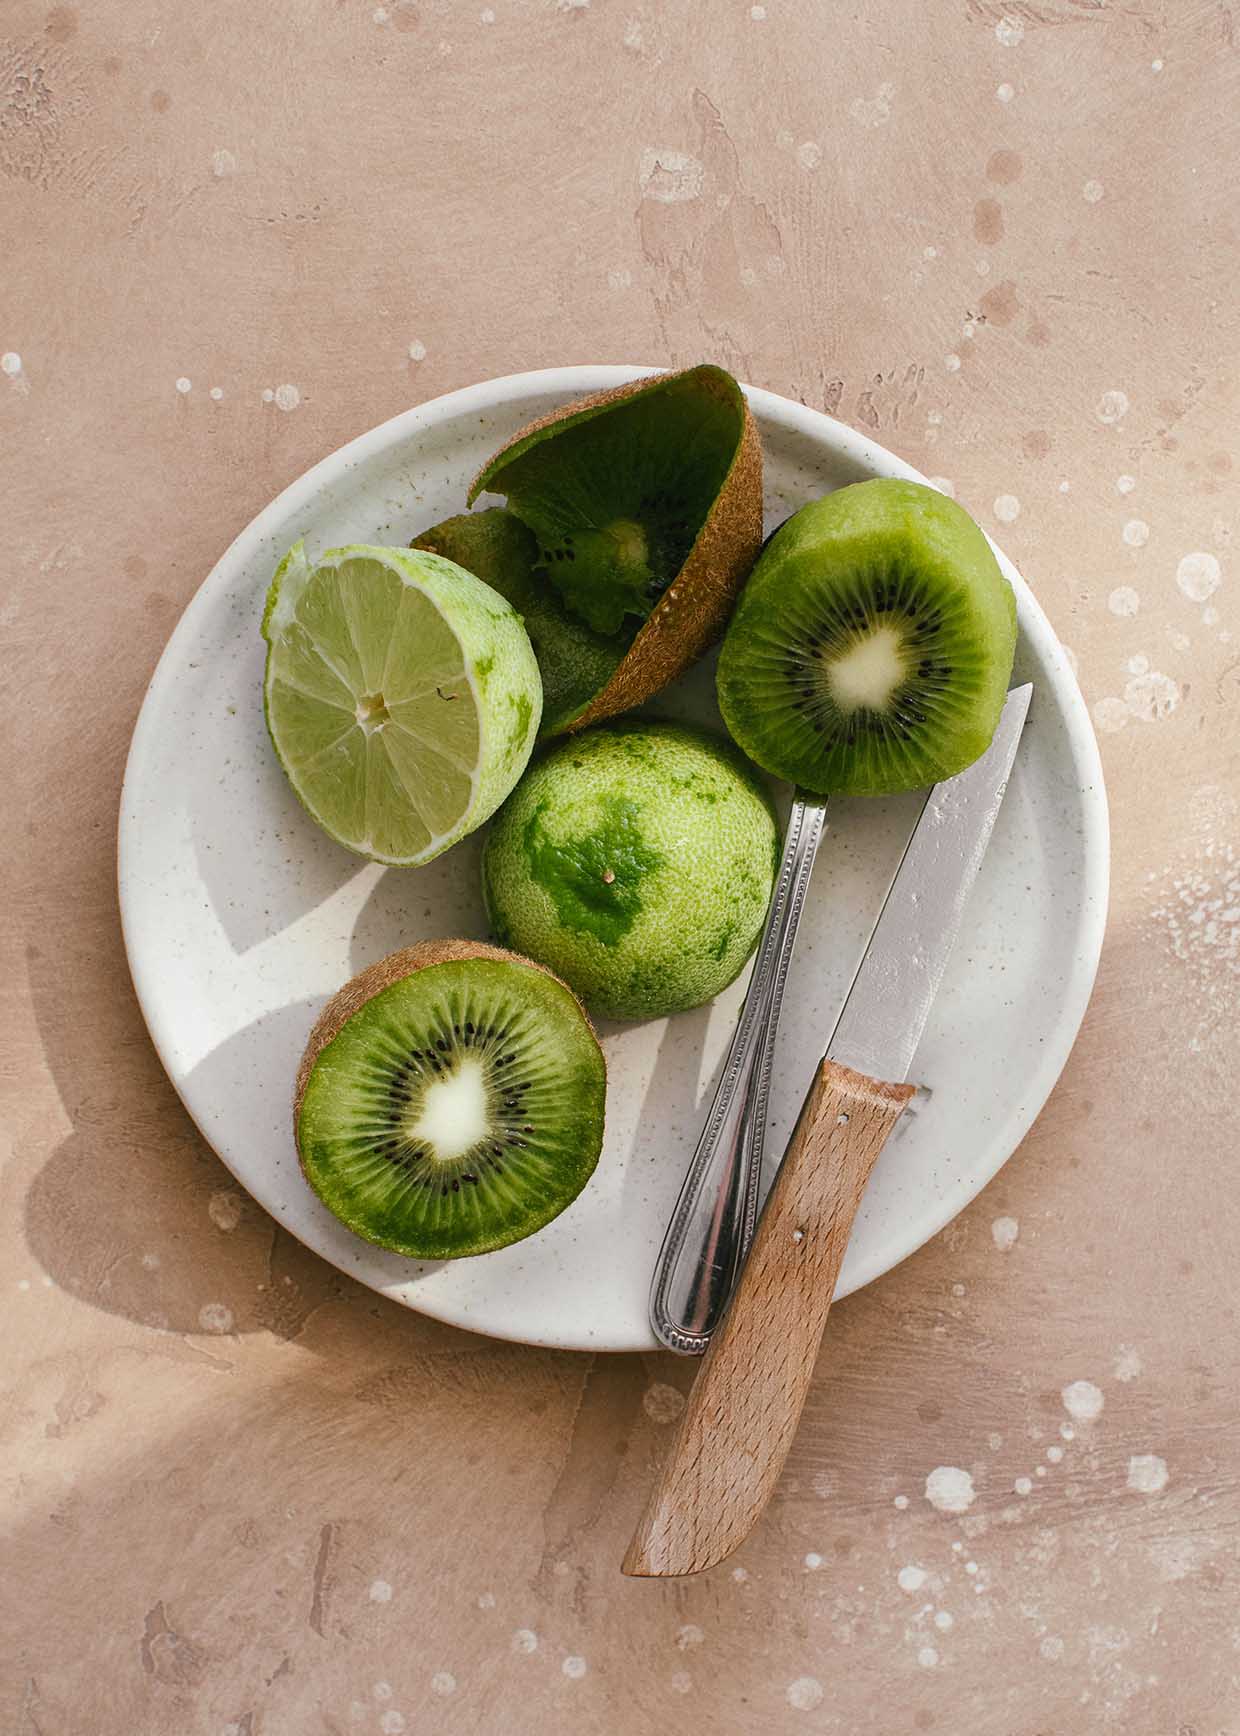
(869, 672)
(453, 1116)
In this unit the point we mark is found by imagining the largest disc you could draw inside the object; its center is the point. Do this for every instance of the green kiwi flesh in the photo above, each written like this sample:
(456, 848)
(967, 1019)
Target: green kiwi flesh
(871, 649)
(456, 1109)
(616, 491)
(574, 661)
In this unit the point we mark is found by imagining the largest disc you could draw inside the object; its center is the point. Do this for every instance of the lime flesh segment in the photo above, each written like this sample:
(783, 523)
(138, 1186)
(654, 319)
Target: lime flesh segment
(401, 694)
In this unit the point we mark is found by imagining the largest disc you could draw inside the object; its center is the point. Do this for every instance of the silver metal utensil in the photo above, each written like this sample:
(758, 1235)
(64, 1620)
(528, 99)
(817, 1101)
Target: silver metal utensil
(713, 1223)
(737, 1428)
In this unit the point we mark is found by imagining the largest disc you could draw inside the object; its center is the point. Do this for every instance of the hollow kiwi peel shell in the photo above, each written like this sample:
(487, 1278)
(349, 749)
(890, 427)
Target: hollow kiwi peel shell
(868, 524)
(359, 991)
(575, 662)
(693, 611)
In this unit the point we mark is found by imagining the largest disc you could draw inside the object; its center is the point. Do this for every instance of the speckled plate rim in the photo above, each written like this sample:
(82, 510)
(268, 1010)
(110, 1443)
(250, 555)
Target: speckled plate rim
(843, 444)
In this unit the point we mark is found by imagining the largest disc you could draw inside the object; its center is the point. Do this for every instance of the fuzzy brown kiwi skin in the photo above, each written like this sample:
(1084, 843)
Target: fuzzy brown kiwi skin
(693, 611)
(376, 977)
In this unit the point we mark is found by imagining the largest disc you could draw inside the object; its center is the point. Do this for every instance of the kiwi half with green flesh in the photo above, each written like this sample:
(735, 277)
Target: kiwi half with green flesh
(450, 1100)
(646, 505)
(574, 661)
(871, 649)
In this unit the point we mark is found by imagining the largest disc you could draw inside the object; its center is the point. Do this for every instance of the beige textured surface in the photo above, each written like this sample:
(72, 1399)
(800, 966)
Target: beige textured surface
(242, 1495)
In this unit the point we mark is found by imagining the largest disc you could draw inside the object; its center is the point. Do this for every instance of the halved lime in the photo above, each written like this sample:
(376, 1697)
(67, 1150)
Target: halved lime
(402, 697)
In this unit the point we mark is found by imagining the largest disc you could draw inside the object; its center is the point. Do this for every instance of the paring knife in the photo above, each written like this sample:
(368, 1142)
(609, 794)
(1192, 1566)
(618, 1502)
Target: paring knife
(742, 1413)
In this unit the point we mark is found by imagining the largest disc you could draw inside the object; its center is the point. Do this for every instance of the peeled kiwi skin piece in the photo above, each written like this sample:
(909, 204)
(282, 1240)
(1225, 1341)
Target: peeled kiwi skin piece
(574, 661)
(505, 1155)
(872, 647)
(691, 612)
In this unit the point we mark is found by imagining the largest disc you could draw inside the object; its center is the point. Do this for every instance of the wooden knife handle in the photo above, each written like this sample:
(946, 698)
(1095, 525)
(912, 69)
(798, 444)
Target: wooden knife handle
(745, 1404)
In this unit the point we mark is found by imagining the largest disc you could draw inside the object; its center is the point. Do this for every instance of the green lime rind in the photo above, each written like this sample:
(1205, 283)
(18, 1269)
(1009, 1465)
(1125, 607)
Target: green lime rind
(617, 491)
(344, 1097)
(637, 861)
(401, 694)
(887, 553)
(575, 662)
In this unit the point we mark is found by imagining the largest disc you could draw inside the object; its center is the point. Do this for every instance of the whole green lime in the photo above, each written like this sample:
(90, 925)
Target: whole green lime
(637, 862)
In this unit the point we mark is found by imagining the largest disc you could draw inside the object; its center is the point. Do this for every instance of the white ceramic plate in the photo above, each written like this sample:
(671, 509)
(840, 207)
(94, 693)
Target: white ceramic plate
(241, 918)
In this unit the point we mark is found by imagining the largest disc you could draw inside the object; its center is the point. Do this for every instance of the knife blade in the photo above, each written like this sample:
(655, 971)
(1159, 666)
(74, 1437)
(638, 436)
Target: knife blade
(738, 1425)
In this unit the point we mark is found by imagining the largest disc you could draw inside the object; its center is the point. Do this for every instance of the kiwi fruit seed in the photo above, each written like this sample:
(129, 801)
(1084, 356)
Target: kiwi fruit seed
(645, 503)
(574, 661)
(450, 1100)
(870, 651)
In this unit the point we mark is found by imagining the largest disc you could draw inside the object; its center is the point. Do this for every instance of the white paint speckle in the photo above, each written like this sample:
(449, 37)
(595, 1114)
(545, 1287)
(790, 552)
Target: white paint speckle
(1198, 575)
(1156, 65)
(1112, 407)
(1022, 1486)
(1127, 1364)
(382, 1690)
(380, 1591)
(11, 363)
(1005, 93)
(1065, 487)
(487, 1600)
(223, 163)
(949, 1489)
(571, 5)
(805, 1694)
(1125, 484)
(417, 351)
(757, 13)
(689, 1635)
(1139, 665)
(952, 363)
(217, 392)
(23, 1283)
(900, 1502)
(1083, 1401)
(619, 280)
(982, 268)
(911, 1578)
(927, 1657)
(680, 1682)
(215, 1317)
(1052, 1648)
(1010, 31)
(1092, 192)
(1123, 601)
(381, 15)
(443, 1683)
(929, 253)
(1007, 508)
(809, 154)
(268, 394)
(1151, 697)
(970, 1568)
(287, 397)
(224, 1209)
(392, 1723)
(1147, 1473)
(1067, 1432)
(813, 1561)
(150, 1262)
(184, 385)
(574, 1668)
(1136, 533)
(740, 1575)
(1004, 1233)
(487, 15)
(873, 111)
(525, 1640)
(662, 1403)
(670, 177)
(1209, 617)
(633, 35)
(1054, 1454)
(1110, 714)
